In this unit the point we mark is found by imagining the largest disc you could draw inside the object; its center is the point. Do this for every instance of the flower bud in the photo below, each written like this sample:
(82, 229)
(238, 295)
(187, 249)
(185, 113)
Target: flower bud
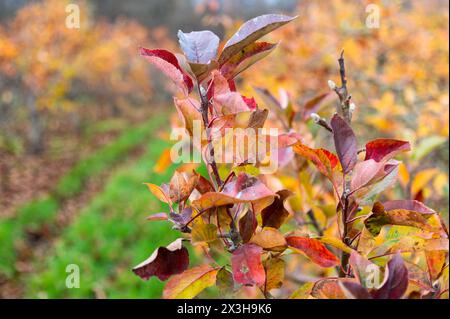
(316, 118)
(331, 85)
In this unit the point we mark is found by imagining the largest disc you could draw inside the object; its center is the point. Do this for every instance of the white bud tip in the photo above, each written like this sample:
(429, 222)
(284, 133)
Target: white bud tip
(331, 85)
(352, 106)
(316, 118)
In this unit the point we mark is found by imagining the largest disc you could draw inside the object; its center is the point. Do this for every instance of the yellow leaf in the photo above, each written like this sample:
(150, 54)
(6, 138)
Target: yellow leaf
(190, 283)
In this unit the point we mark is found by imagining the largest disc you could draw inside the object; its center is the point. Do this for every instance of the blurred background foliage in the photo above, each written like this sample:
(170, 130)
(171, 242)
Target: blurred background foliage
(84, 119)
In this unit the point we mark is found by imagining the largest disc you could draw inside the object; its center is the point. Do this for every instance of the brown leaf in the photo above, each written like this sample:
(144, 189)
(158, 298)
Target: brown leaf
(269, 239)
(275, 214)
(247, 225)
(179, 188)
(164, 262)
(274, 273)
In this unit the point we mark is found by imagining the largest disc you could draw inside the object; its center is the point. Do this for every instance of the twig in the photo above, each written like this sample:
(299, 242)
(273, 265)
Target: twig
(314, 222)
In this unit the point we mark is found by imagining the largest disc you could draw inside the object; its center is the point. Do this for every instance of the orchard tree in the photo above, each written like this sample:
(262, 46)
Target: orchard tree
(246, 214)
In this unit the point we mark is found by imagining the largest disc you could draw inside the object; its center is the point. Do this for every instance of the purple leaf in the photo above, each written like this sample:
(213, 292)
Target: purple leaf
(396, 280)
(164, 262)
(345, 143)
(199, 46)
(411, 205)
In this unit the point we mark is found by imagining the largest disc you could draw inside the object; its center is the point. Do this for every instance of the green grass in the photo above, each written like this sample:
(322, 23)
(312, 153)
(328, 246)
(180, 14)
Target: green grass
(40, 212)
(109, 237)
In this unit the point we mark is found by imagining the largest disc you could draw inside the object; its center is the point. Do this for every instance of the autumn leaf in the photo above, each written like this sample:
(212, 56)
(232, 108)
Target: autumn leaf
(251, 31)
(384, 149)
(275, 268)
(190, 283)
(361, 267)
(243, 189)
(247, 225)
(269, 239)
(159, 193)
(199, 46)
(353, 290)
(247, 266)
(202, 232)
(397, 215)
(395, 282)
(345, 143)
(157, 216)
(188, 112)
(329, 288)
(246, 58)
(168, 64)
(314, 250)
(179, 188)
(275, 214)
(324, 160)
(164, 262)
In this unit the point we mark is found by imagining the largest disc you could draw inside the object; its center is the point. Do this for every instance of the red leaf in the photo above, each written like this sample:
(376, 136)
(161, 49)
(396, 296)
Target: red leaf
(250, 102)
(164, 262)
(345, 143)
(314, 249)
(396, 280)
(247, 266)
(168, 64)
(384, 149)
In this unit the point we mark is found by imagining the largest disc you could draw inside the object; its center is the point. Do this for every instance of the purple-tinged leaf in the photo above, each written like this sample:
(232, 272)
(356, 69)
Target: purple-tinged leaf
(345, 143)
(199, 46)
(247, 225)
(164, 262)
(395, 282)
(411, 205)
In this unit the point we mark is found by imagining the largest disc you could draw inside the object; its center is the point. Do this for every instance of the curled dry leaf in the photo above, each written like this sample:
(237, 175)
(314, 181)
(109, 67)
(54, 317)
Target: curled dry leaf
(164, 262)
(190, 283)
(314, 250)
(247, 267)
(275, 214)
